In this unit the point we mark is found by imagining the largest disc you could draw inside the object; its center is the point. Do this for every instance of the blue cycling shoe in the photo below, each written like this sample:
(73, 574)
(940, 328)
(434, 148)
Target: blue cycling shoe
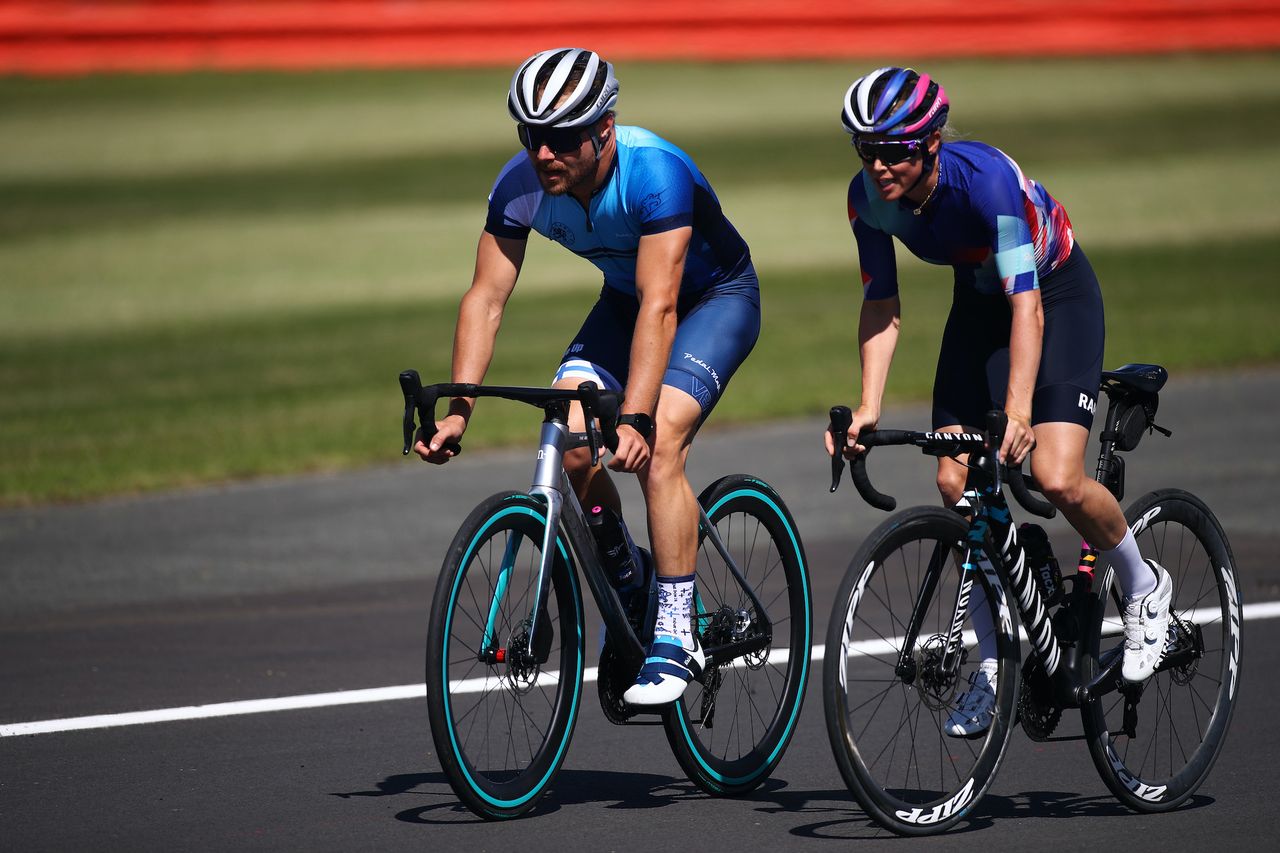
(667, 671)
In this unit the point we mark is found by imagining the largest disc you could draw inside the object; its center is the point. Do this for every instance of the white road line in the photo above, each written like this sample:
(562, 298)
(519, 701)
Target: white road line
(1261, 610)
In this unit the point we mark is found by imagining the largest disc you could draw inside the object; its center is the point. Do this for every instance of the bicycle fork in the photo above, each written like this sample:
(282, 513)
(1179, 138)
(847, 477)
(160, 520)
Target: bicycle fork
(992, 525)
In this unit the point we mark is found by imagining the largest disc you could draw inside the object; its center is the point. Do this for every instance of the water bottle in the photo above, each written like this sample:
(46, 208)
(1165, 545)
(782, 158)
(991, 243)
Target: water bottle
(1041, 561)
(614, 545)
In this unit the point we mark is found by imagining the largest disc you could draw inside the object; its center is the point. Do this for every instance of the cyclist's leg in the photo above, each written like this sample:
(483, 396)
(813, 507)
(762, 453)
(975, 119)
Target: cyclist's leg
(600, 353)
(672, 507)
(1062, 413)
(716, 332)
(674, 657)
(1058, 468)
(970, 369)
(973, 368)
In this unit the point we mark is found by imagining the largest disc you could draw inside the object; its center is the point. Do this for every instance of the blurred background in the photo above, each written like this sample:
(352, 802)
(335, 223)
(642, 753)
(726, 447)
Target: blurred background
(226, 226)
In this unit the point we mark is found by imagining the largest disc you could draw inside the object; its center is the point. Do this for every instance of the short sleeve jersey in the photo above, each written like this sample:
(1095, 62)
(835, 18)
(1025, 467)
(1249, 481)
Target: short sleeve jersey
(998, 229)
(652, 187)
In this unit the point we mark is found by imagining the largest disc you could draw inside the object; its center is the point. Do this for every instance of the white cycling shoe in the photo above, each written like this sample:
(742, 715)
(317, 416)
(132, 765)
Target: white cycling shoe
(976, 706)
(667, 671)
(1146, 627)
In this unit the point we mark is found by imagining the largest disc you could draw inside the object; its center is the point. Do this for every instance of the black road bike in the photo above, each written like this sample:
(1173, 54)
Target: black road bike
(898, 650)
(506, 646)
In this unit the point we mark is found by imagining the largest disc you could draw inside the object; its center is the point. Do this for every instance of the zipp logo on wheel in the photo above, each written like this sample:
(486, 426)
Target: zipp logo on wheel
(1151, 793)
(1142, 523)
(941, 812)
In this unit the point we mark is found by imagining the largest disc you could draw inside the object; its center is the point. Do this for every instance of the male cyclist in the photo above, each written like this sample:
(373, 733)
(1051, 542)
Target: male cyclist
(678, 313)
(1025, 333)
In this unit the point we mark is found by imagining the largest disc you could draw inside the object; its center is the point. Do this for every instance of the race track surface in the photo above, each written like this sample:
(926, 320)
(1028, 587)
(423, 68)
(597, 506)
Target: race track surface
(311, 585)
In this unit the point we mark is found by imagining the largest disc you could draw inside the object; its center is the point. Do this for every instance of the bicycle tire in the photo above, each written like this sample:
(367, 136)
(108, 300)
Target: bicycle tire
(729, 731)
(502, 728)
(886, 726)
(1168, 758)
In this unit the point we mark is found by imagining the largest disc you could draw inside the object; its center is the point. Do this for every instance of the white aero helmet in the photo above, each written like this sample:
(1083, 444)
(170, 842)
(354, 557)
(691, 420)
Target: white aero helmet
(564, 87)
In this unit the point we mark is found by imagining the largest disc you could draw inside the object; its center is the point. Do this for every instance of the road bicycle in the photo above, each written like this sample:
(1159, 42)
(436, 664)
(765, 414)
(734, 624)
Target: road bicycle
(898, 648)
(507, 647)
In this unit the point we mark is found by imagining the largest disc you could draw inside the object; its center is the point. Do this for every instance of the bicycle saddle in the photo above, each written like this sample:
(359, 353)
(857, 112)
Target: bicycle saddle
(1143, 378)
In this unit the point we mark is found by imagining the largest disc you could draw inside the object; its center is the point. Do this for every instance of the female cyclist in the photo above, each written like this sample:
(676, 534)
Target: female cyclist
(1025, 332)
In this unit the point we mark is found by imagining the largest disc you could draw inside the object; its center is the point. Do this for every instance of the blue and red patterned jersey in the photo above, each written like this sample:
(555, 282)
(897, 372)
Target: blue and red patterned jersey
(999, 230)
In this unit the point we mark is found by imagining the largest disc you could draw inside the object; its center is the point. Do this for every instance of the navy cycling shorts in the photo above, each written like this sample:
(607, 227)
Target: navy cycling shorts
(715, 331)
(973, 365)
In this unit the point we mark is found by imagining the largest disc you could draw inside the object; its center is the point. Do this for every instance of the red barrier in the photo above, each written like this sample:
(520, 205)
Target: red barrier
(51, 37)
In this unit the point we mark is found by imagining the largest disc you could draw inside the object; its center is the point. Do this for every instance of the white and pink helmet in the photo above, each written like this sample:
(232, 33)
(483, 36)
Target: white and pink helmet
(894, 102)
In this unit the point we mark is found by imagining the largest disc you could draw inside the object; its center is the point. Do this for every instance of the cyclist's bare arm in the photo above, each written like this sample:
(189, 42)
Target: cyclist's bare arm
(498, 261)
(1026, 339)
(878, 326)
(659, 270)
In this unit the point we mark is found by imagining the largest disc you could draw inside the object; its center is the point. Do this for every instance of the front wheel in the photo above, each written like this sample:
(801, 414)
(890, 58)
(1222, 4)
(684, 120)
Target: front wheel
(503, 683)
(729, 732)
(896, 667)
(1154, 743)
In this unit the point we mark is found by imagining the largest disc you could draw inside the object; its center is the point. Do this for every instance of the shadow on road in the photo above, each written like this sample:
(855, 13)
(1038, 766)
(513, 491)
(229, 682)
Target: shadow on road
(612, 789)
(992, 810)
(629, 790)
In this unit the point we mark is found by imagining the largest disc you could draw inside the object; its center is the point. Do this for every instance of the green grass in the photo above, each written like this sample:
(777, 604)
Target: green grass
(206, 277)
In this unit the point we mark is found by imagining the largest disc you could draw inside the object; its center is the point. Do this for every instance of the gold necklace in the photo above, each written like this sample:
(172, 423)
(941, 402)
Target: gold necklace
(920, 209)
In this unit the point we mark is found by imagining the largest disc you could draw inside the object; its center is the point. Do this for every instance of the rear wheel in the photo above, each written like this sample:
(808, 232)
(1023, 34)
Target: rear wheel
(885, 711)
(1154, 743)
(503, 683)
(730, 731)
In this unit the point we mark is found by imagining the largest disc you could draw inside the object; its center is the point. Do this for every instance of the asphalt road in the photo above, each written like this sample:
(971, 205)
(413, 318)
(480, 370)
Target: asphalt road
(301, 586)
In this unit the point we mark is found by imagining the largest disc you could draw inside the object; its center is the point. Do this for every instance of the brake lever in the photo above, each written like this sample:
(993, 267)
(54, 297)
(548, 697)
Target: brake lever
(410, 384)
(590, 394)
(841, 420)
(415, 399)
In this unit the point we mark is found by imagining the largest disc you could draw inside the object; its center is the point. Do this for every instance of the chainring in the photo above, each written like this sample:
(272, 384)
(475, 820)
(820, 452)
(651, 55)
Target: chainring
(613, 679)
(1037, 712)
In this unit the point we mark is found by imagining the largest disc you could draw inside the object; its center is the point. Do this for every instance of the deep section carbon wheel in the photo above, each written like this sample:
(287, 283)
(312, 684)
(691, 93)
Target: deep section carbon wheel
(1154, 743)
(504, 683)
(730, 730)
(886, 708)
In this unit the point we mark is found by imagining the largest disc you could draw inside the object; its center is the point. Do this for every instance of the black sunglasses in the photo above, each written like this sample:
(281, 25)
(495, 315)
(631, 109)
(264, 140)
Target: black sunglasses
(561, 140)
(888, 153)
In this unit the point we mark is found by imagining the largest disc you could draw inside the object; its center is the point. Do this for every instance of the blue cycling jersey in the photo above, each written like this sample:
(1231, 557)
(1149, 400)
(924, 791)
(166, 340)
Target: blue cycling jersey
(1001, 231)
(652, 187)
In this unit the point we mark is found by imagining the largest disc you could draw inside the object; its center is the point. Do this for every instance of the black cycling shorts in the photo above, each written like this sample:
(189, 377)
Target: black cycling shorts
(973, 365)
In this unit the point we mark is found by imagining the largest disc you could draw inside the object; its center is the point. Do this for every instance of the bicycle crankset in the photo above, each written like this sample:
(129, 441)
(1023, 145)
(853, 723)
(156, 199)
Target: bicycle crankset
(1037, 711)
(612, 680)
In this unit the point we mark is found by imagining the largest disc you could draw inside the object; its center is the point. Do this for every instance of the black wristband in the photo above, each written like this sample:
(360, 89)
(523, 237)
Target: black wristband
(638, 421)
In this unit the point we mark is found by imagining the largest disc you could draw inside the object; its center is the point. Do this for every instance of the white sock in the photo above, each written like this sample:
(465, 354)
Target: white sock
(980, 618)
(675, 603)
(1133, 575)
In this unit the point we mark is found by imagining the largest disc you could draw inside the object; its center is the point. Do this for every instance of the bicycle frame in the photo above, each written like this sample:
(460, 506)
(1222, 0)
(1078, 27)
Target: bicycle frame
(1054, 641)
(565, 516)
